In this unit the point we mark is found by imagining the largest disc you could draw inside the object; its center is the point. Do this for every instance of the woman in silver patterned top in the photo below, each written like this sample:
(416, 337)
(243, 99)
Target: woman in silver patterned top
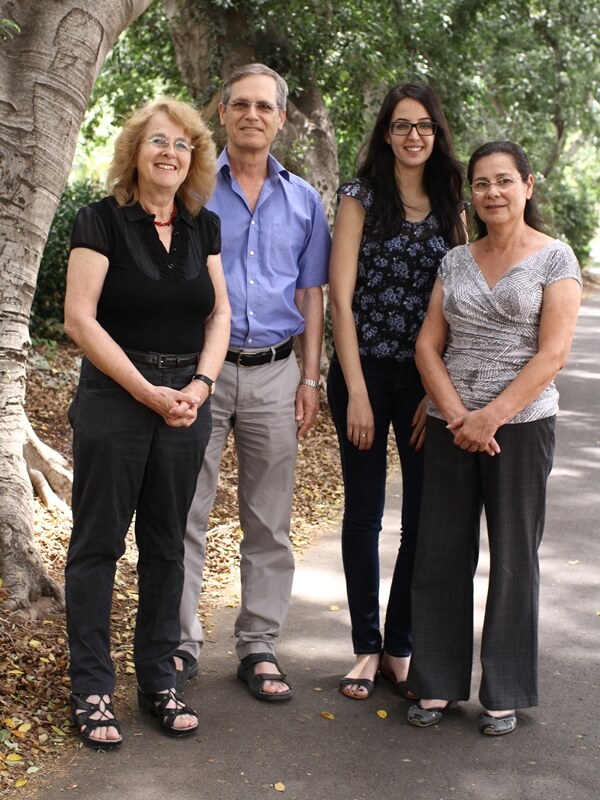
(498, 329)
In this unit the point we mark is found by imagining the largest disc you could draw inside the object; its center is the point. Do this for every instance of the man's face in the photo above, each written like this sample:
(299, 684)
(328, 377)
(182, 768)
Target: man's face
(251, 117)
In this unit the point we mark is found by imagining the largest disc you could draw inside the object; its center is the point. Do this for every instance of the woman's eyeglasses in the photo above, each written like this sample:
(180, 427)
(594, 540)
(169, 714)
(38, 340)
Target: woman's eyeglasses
(401, 128)
(163, 143)
(502, 184)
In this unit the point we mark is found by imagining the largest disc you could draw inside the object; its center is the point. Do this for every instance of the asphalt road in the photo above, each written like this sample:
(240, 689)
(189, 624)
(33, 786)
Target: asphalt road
(246, 749)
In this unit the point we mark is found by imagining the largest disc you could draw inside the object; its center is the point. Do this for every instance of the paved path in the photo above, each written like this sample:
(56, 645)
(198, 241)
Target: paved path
(245, 747)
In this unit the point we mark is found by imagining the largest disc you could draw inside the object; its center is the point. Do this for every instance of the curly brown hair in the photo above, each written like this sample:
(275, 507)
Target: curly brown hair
(199, 183)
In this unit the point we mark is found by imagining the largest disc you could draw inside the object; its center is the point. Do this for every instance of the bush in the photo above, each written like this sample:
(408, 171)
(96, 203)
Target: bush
(571, 212)
(47, 308)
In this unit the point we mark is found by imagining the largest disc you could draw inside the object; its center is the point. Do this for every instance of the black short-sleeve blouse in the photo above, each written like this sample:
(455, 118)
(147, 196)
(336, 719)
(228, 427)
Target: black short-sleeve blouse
(152, 299)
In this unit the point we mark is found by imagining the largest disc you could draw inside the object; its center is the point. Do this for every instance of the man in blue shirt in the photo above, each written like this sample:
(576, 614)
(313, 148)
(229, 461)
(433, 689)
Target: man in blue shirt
(275, 255)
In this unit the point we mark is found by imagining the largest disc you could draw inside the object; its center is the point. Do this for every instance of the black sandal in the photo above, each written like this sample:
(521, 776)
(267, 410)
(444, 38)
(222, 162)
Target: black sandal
(254, 681)
(156, 703)
(81, 718)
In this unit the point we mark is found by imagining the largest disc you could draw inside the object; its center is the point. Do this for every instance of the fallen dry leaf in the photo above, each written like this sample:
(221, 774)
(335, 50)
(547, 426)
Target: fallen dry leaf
(327, 715)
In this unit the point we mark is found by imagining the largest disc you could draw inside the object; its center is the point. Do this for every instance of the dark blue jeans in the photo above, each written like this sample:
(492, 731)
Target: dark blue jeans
(395, 390)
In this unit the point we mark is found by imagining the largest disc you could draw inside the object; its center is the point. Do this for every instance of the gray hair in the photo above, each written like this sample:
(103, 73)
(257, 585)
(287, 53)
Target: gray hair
(256, 69)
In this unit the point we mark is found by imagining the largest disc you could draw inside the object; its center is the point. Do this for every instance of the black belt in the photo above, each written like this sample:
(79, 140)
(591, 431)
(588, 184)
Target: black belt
(162, 360)
(246, 358)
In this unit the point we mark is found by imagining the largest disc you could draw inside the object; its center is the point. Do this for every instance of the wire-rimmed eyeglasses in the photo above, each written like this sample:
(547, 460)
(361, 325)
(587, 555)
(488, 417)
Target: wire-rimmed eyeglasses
(162, 142)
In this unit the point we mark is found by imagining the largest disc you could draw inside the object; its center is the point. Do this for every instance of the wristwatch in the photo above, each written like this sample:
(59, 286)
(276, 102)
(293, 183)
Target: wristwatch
(205, 379)
(310, 382)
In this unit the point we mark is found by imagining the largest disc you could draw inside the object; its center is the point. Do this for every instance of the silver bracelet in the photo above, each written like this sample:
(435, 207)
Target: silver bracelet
(309, 382)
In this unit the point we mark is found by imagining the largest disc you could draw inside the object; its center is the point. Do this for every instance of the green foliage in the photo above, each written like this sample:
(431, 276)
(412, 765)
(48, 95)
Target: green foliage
(47, 309)
(8, 29)
(140, 66)
(526, 70)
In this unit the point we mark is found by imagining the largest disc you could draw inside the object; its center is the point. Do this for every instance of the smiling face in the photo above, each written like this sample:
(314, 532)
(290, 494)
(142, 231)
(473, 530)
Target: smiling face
(163, 167)
(252, 129)
(500, 205)
(411, 150)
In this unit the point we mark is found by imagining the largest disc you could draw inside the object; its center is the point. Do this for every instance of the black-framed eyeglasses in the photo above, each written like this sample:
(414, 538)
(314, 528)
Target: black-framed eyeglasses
(243, 106)
(162, 143)
(424, 128)
(502, 184)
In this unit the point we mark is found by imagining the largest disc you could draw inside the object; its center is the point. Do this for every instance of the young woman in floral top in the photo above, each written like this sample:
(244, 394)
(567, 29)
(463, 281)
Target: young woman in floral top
(395, 223)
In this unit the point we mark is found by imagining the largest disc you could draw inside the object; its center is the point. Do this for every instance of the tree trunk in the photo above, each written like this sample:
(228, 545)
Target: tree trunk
(210, 42)
(47, 72)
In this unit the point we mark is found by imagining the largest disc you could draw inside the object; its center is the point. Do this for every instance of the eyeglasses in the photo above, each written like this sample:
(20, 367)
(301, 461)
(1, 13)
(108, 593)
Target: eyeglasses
(483, 186)
(179, 144)
(425, 128)
(243, 106)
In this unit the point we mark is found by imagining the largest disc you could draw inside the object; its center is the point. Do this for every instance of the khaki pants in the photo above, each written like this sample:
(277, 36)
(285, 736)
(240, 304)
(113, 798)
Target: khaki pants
(257, 404)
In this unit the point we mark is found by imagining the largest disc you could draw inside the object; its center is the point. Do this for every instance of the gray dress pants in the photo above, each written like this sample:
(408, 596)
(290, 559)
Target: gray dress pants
(511, 487)
(257, 404)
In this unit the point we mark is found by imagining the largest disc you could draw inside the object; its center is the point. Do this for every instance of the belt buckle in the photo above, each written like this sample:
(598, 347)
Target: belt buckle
(167, 362)
(238, 361)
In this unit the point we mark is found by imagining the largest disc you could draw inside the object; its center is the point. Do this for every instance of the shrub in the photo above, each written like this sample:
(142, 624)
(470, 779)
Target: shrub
(47, 308)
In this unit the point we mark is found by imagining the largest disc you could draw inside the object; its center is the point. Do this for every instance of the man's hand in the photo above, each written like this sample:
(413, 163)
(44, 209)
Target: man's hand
(307, 408)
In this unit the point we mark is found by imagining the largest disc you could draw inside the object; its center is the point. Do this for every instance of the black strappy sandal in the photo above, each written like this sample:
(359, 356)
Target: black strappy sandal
(81, 718)
(156, 703)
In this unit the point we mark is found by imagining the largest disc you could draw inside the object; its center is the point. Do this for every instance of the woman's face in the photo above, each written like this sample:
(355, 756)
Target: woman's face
(412, 149)
(163, 163)
(499, 203)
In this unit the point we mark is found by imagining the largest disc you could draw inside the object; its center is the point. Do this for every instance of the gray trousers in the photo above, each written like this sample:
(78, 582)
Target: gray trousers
(257, 404)
(511, 487)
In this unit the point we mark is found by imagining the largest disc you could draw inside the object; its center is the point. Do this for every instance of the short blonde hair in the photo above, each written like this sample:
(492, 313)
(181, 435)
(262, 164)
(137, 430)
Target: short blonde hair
(198, 186)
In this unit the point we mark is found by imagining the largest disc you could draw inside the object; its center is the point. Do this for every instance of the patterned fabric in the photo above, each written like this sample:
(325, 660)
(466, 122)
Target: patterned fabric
(394, 281)
(493, 333)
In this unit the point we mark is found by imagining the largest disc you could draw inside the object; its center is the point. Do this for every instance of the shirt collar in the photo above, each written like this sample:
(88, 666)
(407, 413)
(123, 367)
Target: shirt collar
(274, 167)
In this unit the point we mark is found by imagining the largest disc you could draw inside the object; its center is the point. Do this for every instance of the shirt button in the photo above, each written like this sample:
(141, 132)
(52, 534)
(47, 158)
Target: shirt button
(251, 252)
(252, 222)
(251, 313)
(251, 283)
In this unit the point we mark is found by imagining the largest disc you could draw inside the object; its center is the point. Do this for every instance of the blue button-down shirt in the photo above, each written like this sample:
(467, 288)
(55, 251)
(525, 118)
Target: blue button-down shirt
(269, 253)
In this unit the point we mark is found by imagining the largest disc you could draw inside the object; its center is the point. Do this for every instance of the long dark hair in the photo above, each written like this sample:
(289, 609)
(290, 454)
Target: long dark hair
(532, 215)
(443, 173)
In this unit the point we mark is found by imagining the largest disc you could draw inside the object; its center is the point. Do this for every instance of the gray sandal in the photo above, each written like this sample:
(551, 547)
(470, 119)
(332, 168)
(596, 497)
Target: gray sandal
(497, 726)
(423, 717)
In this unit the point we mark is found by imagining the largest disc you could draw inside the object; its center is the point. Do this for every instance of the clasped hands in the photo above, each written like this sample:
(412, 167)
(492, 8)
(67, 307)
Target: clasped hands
(475, 431)
(178, 409)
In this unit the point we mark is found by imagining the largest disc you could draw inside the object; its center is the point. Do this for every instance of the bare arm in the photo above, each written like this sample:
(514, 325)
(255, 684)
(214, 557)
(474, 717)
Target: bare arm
(310, 304)
(216, 333)
(343, 269)
(86, 274)
(557, 325)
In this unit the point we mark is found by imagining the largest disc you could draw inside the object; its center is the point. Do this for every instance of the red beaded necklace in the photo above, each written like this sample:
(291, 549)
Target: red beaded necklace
(170, 222)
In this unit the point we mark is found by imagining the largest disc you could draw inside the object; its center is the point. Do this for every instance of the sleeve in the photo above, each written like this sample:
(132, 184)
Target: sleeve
(313, 264)
(89, 231)
(213, 227)
(358, 190)
(562, 263)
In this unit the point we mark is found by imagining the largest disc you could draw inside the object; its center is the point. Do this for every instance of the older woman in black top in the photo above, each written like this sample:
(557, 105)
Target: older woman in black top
(147, 304)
